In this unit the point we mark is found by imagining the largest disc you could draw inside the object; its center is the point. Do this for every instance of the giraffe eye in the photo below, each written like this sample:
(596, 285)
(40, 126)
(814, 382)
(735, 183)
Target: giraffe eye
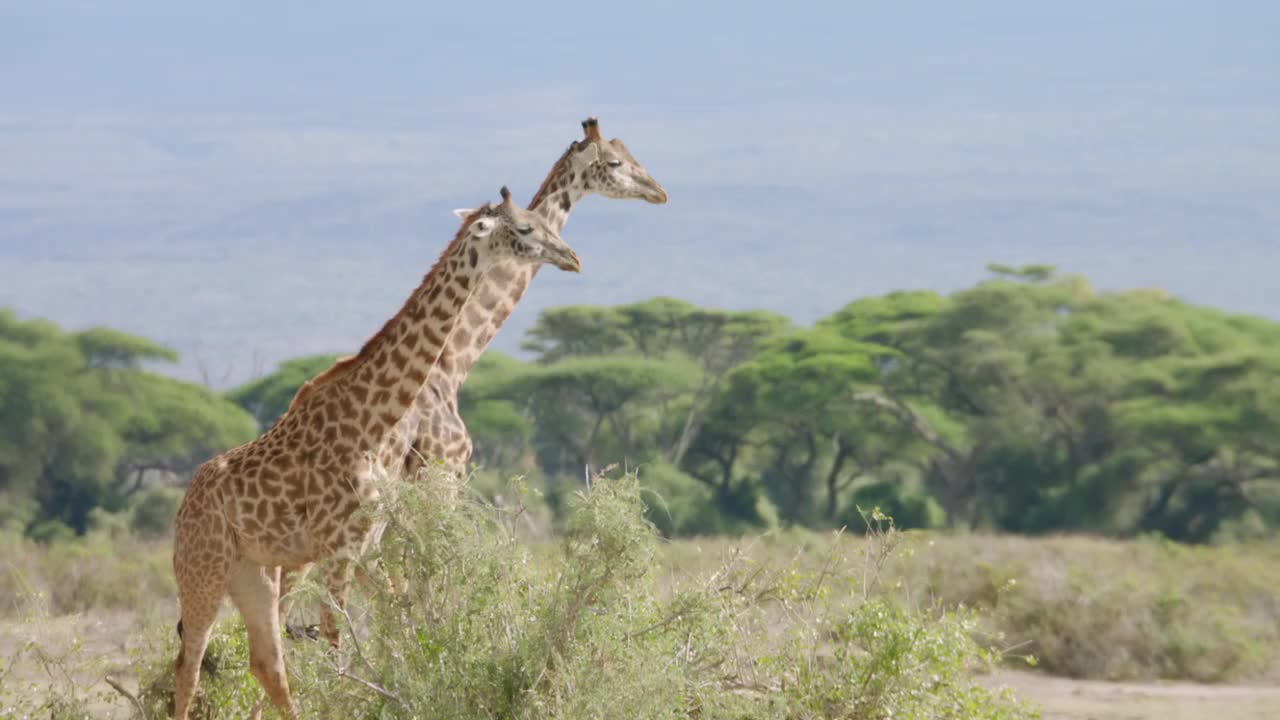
(615, 163)
(524, 229)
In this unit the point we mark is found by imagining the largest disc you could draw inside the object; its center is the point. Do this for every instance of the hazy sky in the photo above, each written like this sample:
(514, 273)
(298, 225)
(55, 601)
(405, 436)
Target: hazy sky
(249, 181)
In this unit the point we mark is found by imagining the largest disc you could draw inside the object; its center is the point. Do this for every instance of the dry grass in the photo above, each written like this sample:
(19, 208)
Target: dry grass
(93, 573)
(1085, 607)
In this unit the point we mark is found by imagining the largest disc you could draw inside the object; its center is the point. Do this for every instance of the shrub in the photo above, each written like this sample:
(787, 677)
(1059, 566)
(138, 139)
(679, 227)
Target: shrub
(51, 532)
(16, 511)
(592, 626)
(83, 574)
(1133, 610)
(105, 525)
(153, 515)
(680, 504)
(908, 511)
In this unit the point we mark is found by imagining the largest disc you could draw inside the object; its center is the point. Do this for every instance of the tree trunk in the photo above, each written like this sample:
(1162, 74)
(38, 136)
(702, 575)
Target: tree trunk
(689, 431)
(957, 494)
(591, 439)
(833, 478)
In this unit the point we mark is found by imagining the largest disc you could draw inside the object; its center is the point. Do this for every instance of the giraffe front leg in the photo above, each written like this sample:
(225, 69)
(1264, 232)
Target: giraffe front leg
(255, 590)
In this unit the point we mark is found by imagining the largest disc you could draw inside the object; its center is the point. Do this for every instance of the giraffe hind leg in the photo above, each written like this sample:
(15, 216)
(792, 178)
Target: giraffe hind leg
(290, 577)
(200, 591)
(337, 580)
(338, 575)
(197, 625)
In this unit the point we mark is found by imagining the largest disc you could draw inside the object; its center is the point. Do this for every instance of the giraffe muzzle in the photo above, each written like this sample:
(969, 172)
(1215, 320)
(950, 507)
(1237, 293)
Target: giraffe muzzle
(653, 192)
(565, 259)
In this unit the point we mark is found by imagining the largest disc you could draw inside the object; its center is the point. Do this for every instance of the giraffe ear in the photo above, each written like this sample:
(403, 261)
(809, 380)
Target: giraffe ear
(463, 213)
(586, 156)
(482, 227)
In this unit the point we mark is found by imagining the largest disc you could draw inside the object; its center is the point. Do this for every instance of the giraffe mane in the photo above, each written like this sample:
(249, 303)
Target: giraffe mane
(556, 171)
(344, 364)
(621, 147)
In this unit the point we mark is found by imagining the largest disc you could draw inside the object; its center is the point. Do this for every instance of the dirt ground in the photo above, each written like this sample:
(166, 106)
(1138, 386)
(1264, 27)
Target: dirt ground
(1067, 699)
(77, 651)
(98, 646)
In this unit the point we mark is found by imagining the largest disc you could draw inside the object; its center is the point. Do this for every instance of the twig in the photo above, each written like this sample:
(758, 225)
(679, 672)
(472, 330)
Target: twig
(826, 568)
(137, 704)
(355, 641)
(344, 673)
(674, 616)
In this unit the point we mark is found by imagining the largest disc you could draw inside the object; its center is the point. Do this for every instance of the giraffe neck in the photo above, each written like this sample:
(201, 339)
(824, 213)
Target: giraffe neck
(377, 387)
(504, 284)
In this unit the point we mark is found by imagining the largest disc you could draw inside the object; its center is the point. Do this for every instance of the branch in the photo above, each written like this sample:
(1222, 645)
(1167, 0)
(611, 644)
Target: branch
(344, 673)
(912, 419)
(954, 385)
(133, 699)
(848, 479)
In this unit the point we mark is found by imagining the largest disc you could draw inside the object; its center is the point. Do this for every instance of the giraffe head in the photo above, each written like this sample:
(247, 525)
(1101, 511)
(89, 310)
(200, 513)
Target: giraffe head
(607, 167)
(505, 230)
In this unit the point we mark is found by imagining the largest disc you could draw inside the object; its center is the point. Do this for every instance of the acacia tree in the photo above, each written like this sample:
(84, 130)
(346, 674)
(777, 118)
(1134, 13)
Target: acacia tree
(715, 341)
(796, 398)
(81, 422)
(969, 377)
(1050, 407)
(1200, 429)
(501, 432)
(574, 402)
(575, 331)
(1028, 403)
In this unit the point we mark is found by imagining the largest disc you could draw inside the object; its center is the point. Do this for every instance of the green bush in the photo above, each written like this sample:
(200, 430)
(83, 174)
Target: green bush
(593, 626)
(107, 525)
(81, 575)
(16, 511)
(153, 515)
(227, 687)
(908, 511)
(680, 504)
(51, 532)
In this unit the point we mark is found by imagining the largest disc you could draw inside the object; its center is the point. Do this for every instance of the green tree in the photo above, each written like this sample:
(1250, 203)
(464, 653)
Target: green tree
(501, 431)
(797, 397)
(573, 331)
(716, 340)
(968, 379)
(661, 328)
(80, 422)
(1199, 422)
(576, 402)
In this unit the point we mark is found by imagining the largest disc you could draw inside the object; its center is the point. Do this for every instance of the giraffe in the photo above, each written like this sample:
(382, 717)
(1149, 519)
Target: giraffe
(589, 165)
(290, 497)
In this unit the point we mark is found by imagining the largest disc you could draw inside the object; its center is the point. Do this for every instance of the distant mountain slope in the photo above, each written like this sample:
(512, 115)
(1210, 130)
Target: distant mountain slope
(241, 291)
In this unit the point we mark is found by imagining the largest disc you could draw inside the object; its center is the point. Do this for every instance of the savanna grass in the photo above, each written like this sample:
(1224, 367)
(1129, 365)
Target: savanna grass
(1085, 607)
